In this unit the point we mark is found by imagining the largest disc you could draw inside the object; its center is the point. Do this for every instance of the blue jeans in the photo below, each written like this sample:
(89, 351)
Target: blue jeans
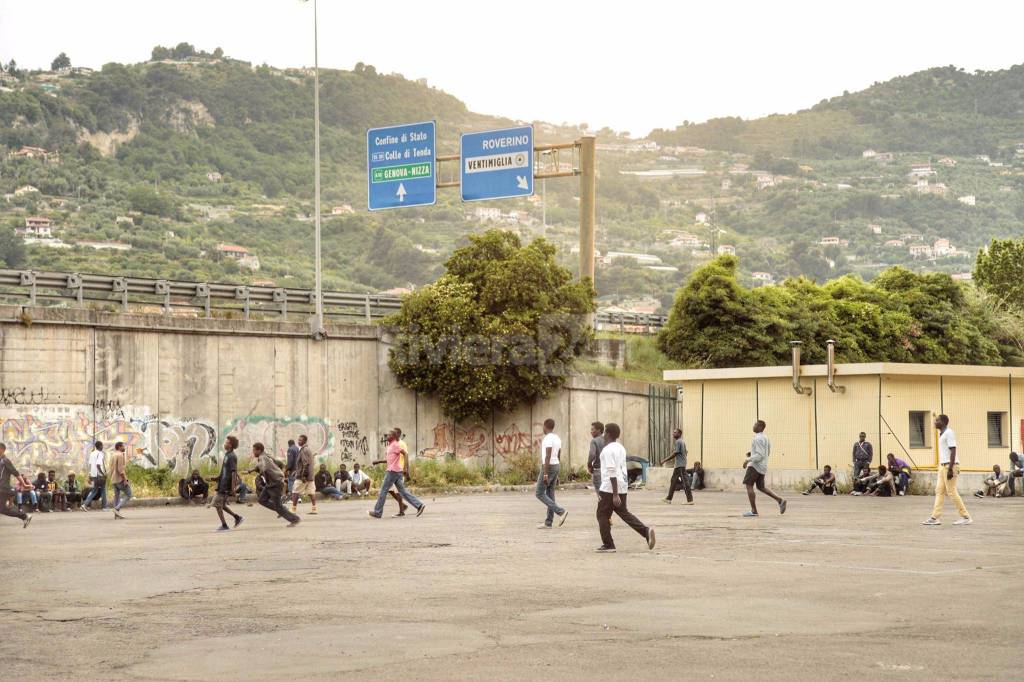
(119, 489)
(397, 479)
(546, 493)
(30, 494)
(99, 488)
(331, 491)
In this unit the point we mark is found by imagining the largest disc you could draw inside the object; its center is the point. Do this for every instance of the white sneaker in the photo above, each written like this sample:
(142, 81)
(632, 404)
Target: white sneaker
(931, 521)
(963, 521)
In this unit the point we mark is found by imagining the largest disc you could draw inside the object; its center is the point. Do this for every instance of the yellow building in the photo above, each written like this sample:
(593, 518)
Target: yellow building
(895, 404)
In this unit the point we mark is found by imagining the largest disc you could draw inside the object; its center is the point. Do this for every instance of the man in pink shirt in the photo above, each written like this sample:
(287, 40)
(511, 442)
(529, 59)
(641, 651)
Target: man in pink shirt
(395, 476)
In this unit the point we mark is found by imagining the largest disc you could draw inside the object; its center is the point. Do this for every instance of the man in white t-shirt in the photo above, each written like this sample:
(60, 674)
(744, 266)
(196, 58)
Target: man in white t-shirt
(613, 480)
(550, 449)
(948, 474)
(97, 478)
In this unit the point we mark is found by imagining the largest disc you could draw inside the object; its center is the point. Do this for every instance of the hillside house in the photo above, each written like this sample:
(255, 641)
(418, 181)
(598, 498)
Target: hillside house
(921, 170)
(942, 248)
(830, 241)
(344, 209)
(727, 249)
(968, 200)
(240, 255)
(124, 220)
(762, 278)
(869, 154)
(920, 251)
(36, 226)
(640, 258)
(485, 213)
(214, 176)
(27, 152)
(896, 243)
(685, 241)
(875, 229)
(25, 189)
(947, 162)
(701, 218)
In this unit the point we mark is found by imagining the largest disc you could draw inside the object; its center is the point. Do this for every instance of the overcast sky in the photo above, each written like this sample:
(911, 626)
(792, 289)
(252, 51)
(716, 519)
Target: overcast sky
(631, 65)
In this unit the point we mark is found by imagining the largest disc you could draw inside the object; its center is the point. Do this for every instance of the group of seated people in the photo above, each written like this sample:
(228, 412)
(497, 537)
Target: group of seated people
(886, 480)
(341, 485)
(45, 493)
(1003, 483)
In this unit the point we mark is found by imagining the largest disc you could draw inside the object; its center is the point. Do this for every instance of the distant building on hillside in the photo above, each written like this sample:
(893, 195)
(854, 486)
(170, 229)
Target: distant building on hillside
(641, 258)
(875, 228)
(701, 218)
(240, 255)
(921, 170)
(895, 243)
(762, 278)
(727, 249)
(27, 152)
(104, 245)
(25, 189)
(214, 176)
(968, 200)
(485, 213)
(920, 250)
(942, 248)
(830, 241)
(947, 162)
(869, 154)
(962, 276)
(344, 209)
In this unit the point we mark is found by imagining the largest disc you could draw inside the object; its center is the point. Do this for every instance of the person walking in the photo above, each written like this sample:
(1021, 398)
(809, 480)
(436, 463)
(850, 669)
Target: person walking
(594, 456)
(119, 477)
(226, 484)
(863, 454)
(757, 466)
(289, 467)
(947, 476)
(273, 488)
(304, 476)
(613, 480)
(395, 476)
(7, 495)
(97, 478)
(679, 472)
(550, 448)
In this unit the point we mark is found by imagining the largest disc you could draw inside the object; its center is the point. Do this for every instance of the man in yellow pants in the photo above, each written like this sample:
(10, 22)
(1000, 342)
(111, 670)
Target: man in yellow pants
(948, 474)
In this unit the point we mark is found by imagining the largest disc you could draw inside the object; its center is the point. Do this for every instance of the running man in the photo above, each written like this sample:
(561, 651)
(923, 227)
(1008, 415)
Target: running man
(304, 476)
(395, 476)
(679, 472)
(226, 483)
(613, 479)
(7, 506)
(273, 490)
(594, 456)
(757, 466)
(97, 478)
(947, 476)
(550, 448)
(119, 477)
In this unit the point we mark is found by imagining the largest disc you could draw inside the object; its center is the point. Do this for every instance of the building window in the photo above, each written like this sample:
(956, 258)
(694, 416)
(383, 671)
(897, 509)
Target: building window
(918, 429)
(996, 435)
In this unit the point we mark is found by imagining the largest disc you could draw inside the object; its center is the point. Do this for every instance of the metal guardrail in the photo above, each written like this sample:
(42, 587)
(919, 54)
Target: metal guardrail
(56, 288)
(80, 289)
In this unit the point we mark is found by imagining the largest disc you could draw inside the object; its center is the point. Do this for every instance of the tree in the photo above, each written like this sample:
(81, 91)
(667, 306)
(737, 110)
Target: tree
(714, 322)
(62, 61)
(12, 249)
(183, 51)
(999, 270)
(218, 53)
(160, 53)
(146, 199)
(502, 327)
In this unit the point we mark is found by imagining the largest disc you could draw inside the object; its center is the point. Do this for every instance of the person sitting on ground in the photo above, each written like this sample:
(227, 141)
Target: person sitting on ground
(25, 493)
(322, 483)
(696, 475)
(194, 486)
(862, 484)
(56, 492)
(995, 484)
(361, 481)
(826, 483)
(43, 491)
(72, 490)
(1016, 471)
(884, 484)
(342, 480)
(901, 472)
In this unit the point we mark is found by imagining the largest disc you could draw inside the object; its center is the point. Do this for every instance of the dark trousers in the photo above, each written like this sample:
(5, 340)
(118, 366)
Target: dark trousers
(679, 477)
(860, 465)
(270, 497)
(604, 517)
(7, 506)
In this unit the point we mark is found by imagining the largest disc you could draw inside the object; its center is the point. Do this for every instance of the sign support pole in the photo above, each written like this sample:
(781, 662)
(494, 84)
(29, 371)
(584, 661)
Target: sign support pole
(588, 204)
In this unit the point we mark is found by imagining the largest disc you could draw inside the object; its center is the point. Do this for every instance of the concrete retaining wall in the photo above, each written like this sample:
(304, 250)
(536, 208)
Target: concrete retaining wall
(174, 388)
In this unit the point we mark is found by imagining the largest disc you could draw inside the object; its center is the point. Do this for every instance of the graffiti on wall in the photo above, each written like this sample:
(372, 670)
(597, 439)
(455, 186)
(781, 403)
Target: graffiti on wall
(512, 441)
(181, 445)
(24, 395)
(463, 442)
(275, 432)
(469, 442)
(54, 439)
(351, 443)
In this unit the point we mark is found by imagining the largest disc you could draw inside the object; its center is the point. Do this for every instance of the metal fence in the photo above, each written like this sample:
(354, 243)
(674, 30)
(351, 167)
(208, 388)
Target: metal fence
(81, 290)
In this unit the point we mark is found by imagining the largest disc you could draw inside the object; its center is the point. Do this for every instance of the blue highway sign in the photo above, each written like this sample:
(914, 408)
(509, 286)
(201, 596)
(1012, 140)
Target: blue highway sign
(401, 166)
(497, 164)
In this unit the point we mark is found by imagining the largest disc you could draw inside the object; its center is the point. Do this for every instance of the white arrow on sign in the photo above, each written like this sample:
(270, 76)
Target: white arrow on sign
(521, 182)
(401, 192)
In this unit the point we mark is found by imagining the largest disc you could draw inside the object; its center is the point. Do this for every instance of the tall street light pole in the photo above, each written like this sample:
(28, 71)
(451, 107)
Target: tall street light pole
(318, 322)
